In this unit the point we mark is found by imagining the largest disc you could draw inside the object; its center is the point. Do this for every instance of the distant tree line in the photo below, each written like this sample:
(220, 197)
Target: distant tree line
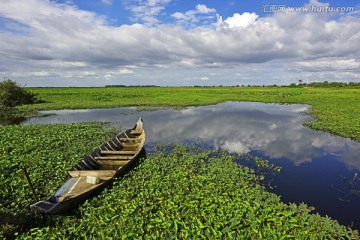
(130, 86)
(300, 84)
(326, 84)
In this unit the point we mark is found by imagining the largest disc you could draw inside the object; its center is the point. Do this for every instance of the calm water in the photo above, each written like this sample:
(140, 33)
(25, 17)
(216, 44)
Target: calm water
(318, 168)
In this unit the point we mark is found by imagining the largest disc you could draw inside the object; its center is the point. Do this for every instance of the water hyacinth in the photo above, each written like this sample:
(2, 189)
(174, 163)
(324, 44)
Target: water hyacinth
(47, 151)
(176, 192)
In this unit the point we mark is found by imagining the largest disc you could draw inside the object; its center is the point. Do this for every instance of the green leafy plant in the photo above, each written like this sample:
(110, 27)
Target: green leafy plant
(48, 151)
(12, 95)
(177, 192)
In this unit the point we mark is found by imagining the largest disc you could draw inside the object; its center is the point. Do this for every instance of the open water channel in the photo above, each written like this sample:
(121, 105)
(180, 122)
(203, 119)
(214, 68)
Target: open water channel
(317, 168)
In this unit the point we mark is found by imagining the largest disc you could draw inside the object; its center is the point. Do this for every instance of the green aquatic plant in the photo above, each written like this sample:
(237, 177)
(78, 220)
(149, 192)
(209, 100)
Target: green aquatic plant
(350, 189)
(47, 151)
(176, 192)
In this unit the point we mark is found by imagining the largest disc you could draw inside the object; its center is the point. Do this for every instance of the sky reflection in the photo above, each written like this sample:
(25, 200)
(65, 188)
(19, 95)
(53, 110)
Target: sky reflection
(275, 130)
(314, 164)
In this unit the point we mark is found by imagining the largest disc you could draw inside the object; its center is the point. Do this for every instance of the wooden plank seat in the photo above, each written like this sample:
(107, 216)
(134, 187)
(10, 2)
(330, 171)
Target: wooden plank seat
(135, 132)
(130, 148)
(79, 187)
(130, 145)
(130, 139)
(112, 162)
(95, 173)
(114, 158)
(118, 152)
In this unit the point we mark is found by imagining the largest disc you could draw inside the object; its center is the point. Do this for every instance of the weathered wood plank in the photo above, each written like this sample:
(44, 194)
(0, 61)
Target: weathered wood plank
(112, 162)
(119, 152)
(130, 148)
(136, 140)
(78, 188)
(128, 143)
(134, 132)
(96, 173)
(114, 158)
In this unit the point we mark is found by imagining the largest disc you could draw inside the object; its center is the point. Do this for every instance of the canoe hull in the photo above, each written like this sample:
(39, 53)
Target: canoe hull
(65, 207)
(52, 206)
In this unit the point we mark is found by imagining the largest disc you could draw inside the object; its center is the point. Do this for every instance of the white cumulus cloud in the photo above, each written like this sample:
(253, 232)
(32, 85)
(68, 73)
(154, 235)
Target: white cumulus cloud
(201, 14)
(329, 65)
(49, 39)
(201, 8)
(146, 11)
(106, 2)
(238, 20)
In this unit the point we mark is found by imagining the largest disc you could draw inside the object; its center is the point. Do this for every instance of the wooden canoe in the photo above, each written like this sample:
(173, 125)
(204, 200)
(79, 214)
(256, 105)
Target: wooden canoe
(90, 175)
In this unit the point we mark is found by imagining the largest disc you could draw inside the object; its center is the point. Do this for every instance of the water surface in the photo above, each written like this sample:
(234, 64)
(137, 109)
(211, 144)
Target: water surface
(318, 168)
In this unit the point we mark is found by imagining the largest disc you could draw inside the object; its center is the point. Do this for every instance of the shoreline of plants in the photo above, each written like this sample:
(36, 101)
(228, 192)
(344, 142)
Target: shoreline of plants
(336, 110)
(180, 192)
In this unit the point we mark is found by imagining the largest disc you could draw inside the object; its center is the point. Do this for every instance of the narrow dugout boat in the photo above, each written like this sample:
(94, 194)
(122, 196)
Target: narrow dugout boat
(96, 171)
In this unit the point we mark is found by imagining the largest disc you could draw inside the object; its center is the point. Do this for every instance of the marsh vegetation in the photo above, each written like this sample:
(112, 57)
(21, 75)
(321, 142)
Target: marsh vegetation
(336, 110)
(181, 192)
(177, 191)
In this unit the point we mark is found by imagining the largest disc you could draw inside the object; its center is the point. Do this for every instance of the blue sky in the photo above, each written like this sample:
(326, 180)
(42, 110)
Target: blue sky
(118, 10)
(176, 43)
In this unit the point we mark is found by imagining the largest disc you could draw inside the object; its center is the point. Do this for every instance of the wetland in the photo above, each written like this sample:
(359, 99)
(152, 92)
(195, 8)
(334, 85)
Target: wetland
(316, 166)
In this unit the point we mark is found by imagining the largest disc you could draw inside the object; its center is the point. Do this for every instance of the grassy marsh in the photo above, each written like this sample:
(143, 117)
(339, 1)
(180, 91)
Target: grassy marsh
(336, 110)
(179, 192)
(240, 207)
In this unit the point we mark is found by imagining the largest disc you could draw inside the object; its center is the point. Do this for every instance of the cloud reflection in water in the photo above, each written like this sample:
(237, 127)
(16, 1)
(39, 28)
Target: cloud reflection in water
(275, 130)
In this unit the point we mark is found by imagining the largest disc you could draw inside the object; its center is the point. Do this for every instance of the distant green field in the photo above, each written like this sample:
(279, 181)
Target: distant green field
(336, 110)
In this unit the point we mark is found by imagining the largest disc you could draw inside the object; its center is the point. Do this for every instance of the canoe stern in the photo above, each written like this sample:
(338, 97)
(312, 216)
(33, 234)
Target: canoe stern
(43, 207)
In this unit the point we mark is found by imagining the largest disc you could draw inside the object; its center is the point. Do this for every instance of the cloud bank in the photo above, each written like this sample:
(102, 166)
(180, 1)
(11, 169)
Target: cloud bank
(48, 40)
